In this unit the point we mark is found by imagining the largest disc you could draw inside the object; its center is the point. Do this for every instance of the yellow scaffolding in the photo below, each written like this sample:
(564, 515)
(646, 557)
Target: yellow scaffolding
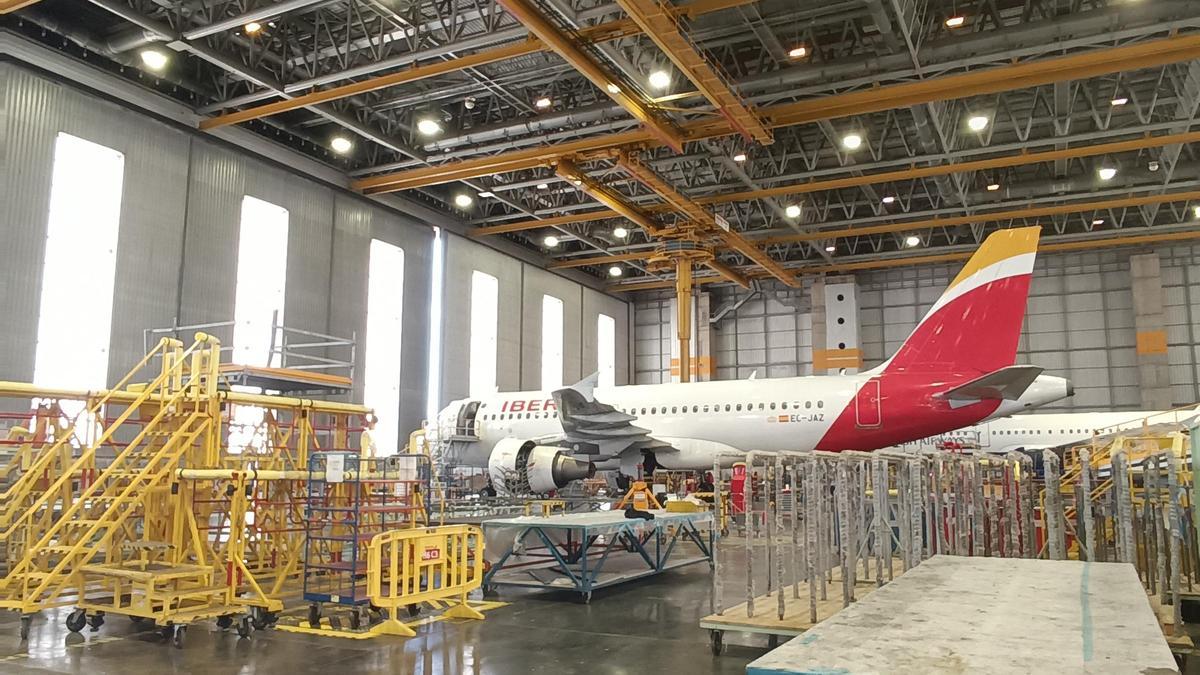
(98, 511)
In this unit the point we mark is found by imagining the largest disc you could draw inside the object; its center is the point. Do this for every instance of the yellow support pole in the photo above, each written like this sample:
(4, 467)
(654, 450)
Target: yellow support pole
(683, 320)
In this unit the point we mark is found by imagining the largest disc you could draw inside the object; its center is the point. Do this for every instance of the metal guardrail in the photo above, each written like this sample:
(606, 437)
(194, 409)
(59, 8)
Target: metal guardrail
(406, 567)
(291, 348)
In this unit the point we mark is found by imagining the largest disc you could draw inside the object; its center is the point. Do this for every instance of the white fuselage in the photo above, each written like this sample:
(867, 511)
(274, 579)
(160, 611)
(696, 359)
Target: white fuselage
(1042, 430)
(701, 419)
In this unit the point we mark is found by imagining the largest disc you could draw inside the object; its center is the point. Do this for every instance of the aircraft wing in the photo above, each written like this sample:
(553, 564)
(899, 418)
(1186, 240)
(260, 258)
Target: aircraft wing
(1006, 383)
(596, 429)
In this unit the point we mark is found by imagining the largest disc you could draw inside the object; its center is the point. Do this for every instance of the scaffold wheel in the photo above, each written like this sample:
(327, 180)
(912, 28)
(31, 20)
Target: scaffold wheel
(76, 620)
(244, 628)
(224, 622)
(716, 641)
(178, 633)
(314, 615)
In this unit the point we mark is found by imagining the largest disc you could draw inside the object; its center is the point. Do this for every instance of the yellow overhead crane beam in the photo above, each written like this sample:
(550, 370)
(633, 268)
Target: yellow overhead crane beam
(913, 261)
(930, 223)
(604, 32)
(659, 21)
(570, 48)
(704, 218)
(1020, 159)
(992, 80)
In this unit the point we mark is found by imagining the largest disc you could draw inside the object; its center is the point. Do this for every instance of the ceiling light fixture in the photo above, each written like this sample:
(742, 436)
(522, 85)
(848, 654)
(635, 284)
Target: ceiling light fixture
(830, 249)
(612, 88)
(252, 28)
(1098, 221)
(615, 271)
(550, 241)
(740, 157)
(620, 232)
(851, 141)
(978, 122)
(463, 201)
(912, 240)
(798, 52)
(792, 211)
(955, 21)
(660, 79)
(543, 102)
(154, 59)
(1106, 173)
(341, 144)
(1196, 211)
(485, 195)
(992, 187)
(428, 127)
(542, 186)
(1120, 100)
(888, 199)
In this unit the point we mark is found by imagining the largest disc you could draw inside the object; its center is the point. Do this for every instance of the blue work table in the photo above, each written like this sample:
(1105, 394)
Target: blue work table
(584, 551)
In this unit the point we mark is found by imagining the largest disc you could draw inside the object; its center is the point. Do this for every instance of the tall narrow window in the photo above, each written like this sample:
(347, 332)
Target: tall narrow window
(261, 278)
(606, 349)
(552, 342)
(75, 318)
(485, 296)
(258, 303)
(381, 384)
(433, 390)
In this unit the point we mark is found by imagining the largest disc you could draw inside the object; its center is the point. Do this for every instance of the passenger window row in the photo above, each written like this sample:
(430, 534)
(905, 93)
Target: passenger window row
(718, 407)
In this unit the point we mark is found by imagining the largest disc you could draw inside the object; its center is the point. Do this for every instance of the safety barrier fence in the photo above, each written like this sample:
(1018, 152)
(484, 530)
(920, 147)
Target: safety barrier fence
(835, 519)
(406, 567)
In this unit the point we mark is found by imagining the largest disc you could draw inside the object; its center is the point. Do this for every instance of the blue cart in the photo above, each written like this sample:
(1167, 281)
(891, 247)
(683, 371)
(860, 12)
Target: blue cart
(584, 551)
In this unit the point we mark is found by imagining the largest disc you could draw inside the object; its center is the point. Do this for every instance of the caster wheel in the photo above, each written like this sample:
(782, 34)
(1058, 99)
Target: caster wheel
(414, 610)
(224, 622)
(489, 591)
(716, 642)
(96, 621)
(355, 620)
(314, 615)
(76, 620)
(26, 624)
(262, 620)
(244, 627)
(178, 633)
(587, 598)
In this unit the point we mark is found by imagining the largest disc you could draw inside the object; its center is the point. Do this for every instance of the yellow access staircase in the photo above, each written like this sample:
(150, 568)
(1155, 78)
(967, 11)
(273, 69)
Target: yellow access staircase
(83, 519)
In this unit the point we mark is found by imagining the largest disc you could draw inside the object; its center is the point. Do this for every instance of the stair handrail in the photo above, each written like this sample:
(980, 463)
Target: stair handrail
(120, 498)
(183, 388)
(46, 455)
(152, 389)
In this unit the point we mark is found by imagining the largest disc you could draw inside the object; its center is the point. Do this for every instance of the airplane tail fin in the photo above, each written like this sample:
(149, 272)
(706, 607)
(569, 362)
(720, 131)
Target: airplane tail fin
(974, 327)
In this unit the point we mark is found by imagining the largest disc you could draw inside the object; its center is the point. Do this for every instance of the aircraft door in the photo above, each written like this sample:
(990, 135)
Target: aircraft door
(465, 425)
(867, 414)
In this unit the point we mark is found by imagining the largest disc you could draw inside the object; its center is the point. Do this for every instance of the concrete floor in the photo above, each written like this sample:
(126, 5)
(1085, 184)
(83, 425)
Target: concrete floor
(650, 626)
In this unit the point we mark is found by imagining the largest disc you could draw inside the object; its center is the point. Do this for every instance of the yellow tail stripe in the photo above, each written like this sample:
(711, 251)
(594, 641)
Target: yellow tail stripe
(998, 247)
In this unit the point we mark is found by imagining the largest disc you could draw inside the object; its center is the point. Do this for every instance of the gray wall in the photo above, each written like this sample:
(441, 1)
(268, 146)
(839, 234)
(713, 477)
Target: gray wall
(519, 339)
(177, 251)
(1079, 325)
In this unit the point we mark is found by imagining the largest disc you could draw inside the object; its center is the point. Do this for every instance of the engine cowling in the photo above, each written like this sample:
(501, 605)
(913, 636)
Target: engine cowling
(524, 467)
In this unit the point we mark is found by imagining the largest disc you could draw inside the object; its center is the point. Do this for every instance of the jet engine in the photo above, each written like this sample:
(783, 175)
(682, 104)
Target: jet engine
(524, 467)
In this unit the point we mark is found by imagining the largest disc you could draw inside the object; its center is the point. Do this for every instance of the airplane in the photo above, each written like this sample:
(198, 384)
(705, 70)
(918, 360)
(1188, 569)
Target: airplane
(1039, 431)
(955, 369)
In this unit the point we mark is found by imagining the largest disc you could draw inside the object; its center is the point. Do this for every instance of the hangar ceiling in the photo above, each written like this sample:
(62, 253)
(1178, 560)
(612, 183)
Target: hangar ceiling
(778, 138)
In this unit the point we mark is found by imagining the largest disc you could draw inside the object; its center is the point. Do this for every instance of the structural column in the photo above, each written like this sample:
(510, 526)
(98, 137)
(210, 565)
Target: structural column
(835, 326)
(1149, 319)
(683, 316)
